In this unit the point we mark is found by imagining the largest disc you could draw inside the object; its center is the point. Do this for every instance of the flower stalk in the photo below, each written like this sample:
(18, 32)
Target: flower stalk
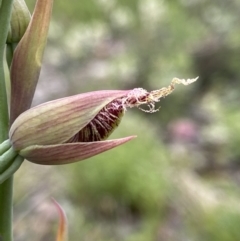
(6, 188)
(5, 13)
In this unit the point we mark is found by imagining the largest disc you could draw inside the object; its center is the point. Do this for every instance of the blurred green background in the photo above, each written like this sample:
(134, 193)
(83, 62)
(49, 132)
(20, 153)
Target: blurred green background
(179, 180)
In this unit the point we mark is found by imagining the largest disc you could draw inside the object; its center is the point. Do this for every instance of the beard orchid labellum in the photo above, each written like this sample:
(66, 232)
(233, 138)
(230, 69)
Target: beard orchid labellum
(75, 128)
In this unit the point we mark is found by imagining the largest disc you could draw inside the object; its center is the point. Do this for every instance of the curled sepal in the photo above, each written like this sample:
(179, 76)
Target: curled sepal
(27, 59)
(4, 146)
(69, 152)
(62, 226)
(55, 122)
(6, 159)
(17, 162)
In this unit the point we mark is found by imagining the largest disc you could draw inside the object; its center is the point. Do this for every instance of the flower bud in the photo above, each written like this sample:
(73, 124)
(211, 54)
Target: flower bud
(20, 19)
(27, 59)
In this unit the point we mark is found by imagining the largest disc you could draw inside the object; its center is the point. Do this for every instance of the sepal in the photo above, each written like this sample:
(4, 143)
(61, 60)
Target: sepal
(69, 152)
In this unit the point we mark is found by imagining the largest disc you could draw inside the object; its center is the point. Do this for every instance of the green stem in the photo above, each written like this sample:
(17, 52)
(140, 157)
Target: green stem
(5, 14)
(6, 192)
(6, 188)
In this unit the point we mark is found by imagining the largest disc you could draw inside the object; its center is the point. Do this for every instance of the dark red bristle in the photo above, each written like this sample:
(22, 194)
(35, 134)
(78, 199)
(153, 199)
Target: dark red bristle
(102, 125)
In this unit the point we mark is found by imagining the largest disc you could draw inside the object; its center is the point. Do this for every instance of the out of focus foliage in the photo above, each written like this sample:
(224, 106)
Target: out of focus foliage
(179, 180)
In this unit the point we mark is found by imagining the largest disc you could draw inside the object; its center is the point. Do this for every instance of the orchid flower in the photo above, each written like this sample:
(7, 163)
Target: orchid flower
(75, 128)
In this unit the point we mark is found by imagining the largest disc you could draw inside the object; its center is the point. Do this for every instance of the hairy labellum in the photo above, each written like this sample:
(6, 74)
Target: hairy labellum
(103, 124)
(109, 117)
